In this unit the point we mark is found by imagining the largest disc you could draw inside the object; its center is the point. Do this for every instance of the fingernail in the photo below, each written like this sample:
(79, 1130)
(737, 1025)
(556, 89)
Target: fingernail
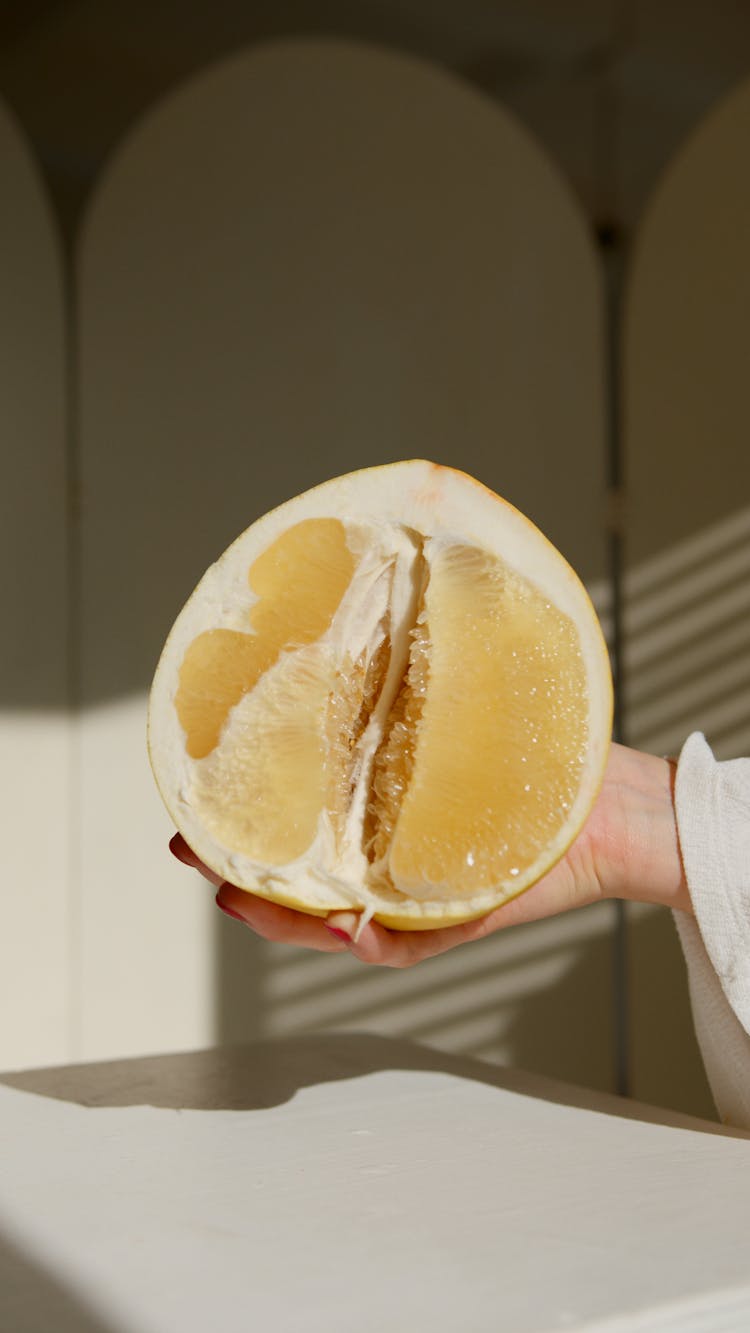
(174, 847)
(340, 934)
(229, 911)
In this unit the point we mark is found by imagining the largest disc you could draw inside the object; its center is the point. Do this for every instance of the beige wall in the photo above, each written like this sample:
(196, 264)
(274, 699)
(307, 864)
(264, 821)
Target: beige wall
(311, 258)
(314, 258)
(686, 396)
(37, 903)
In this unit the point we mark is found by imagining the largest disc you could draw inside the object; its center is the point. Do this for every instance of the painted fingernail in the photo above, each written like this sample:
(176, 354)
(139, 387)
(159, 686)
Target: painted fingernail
(229, 911)
(175, 846)
(340, 934)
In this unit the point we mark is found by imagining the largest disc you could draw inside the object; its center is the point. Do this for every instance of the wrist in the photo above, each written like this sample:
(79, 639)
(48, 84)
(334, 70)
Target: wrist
(639, 853)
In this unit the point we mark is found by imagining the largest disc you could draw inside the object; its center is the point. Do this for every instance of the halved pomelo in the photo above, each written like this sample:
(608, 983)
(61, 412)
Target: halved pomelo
(392, 695)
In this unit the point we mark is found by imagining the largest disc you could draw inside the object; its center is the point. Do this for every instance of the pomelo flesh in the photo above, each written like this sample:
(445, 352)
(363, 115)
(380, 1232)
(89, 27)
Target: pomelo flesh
(392, 695)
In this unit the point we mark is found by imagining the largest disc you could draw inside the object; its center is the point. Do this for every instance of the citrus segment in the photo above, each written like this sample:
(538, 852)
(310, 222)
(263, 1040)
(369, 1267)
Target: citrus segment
(262, 789)
(502, 732)
(299, 582)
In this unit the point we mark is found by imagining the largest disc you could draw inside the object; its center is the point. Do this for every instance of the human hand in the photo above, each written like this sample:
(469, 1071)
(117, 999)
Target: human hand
(628, 849)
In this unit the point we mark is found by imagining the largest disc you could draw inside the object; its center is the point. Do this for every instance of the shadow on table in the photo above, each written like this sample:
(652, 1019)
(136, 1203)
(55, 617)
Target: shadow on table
(267, 1073)
(32, 1300)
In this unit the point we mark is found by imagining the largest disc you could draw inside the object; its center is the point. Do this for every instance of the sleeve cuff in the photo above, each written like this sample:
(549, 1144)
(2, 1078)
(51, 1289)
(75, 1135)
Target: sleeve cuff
(712, 802)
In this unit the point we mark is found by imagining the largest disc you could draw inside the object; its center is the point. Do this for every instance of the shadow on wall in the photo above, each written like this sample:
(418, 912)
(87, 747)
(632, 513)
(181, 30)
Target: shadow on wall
(687, 641)
(546, 1010)
(553, 1031)
(665, 1062)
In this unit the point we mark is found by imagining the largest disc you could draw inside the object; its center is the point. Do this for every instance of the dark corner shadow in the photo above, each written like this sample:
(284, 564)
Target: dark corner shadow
(268, 1073)
(32, 1299)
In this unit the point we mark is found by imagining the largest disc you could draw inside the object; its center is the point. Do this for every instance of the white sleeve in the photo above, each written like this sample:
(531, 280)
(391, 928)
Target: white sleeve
(712, 801)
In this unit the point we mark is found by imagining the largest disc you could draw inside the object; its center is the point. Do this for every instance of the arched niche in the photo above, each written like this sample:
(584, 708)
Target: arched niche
(687, 333)
(34, 736)
(310, 258)
(686, 398)
(687, 619)
(313, 257)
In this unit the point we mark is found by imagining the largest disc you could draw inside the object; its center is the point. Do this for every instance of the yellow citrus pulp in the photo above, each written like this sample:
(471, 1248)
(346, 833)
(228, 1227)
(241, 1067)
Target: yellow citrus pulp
(392, 695)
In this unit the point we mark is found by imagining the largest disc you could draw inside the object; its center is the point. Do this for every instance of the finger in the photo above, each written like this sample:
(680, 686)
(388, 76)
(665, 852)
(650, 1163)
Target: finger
(180, 850)
(274, 922)
(377, 945)
(394, 948)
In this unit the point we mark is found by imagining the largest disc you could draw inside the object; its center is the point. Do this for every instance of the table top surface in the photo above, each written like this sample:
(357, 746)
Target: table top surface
(351, 1182)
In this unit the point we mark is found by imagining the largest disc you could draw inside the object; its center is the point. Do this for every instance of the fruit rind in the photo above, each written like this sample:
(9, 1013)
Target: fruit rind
(442, 503)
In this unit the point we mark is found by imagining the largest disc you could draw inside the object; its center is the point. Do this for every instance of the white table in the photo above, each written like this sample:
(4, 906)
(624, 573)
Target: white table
(353, 1184)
